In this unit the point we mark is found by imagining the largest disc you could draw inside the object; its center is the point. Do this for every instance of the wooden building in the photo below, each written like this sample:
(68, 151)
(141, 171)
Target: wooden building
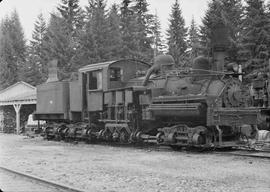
(16, 95)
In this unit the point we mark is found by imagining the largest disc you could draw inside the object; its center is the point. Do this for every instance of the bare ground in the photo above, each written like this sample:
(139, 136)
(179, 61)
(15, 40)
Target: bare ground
(126, 169)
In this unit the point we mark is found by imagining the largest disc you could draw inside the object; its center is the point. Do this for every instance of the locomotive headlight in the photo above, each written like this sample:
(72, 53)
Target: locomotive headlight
(233, 67)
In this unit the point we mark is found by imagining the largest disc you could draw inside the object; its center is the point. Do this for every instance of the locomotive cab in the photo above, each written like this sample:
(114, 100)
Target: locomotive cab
(96, 79)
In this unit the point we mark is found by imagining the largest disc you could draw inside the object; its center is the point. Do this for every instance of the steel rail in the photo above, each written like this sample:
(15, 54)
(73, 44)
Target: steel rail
(42, 181)
(258, 154)
(263, 154)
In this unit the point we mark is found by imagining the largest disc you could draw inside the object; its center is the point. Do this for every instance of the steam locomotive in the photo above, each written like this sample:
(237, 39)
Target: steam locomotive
(116, 101)
(131, 101)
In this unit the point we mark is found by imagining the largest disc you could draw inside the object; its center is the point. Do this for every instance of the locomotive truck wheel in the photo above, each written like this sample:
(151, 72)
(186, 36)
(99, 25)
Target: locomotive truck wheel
(123, 137)
(57, 134)
(107, 135)
(139, 136)
(115, 136)
(63, 132)
(78, 134)
(65, 138)
(132, 137)
(198, 139)
(72, 132)
(171, 138)
(84, 133)
(100, 134)
(160, 137)
(48, 132)
(55, 130)
(88, 135)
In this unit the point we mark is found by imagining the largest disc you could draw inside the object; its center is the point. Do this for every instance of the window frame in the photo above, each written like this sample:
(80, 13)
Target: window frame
(99, 80)
(118, 74)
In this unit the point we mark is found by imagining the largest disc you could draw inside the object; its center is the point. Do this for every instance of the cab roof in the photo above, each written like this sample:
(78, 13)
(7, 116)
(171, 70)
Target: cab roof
(99, 66)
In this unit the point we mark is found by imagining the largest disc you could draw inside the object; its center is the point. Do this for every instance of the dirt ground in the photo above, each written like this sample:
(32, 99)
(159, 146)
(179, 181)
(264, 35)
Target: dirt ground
(128, 169)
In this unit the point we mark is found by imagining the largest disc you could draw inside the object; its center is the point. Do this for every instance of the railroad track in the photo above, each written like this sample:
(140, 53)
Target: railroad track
(43, 185)
(244, 152)
(15, 181)
(262, 154)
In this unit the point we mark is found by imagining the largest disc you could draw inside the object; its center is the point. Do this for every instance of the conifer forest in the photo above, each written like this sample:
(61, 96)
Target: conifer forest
(77, 36)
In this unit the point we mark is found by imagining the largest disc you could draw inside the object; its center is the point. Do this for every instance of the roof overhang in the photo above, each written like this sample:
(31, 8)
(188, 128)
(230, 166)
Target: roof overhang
(22, 102)
(19, 93)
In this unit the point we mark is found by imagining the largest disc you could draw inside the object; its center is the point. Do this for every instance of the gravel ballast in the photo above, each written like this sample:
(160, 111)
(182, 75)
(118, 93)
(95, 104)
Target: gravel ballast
(121, 169)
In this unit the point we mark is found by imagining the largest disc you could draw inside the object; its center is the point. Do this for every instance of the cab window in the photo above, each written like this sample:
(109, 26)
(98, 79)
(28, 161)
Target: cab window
(95, 80)
(115, 74)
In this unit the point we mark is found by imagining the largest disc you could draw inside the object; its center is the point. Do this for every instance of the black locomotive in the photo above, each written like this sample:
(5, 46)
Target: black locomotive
(130, 101)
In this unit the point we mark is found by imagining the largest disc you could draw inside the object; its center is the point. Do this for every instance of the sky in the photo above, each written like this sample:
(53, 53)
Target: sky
(28, 10)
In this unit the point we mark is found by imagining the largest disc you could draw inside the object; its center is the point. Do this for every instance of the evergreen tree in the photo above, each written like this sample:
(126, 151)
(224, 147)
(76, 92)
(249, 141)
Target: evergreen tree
(227, 13)
(62, 37)
(88, 46)
(6, 74)
(38, 36)
(115, 40)
(31, 71)
(193, 40)
(255, 36)
(72, 14)
(130, 48)
(143, 20)
(177, 33)
(12, 49)
(59, 45)
(37, 61)
(232, 15)
(99, 26)
(211, 19)
(87, 51)
(8, 64)
(156, 36)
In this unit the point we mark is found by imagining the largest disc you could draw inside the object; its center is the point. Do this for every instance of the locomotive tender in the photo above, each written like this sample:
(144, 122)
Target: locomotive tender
(202, 106)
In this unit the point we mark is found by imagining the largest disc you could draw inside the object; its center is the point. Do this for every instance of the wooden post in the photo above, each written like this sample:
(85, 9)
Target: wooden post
(1, 120)
(17, 108)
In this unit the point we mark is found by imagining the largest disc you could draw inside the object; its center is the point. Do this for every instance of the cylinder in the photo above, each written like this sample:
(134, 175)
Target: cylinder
(180, 110)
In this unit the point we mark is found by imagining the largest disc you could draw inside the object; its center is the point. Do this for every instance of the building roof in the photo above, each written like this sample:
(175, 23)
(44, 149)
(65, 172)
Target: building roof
(18, 93)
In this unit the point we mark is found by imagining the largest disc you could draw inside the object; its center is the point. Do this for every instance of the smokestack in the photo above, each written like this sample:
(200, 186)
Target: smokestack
(52, 76)
(220, 42)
